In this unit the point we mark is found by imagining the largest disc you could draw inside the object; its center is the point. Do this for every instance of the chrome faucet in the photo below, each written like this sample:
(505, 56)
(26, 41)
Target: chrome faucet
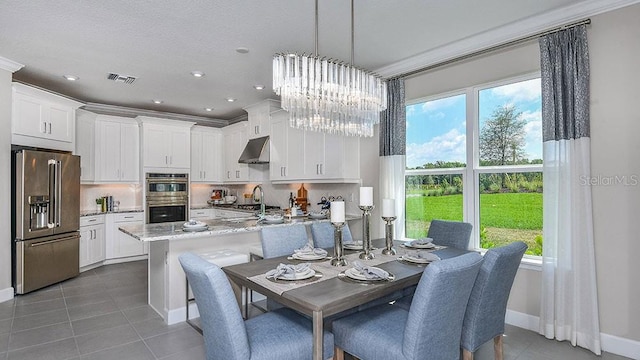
(262, 207)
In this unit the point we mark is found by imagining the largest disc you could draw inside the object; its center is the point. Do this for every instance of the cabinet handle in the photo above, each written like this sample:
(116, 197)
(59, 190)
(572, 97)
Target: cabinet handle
(284, 170)
(128, 217)
(321, 172)
(170, 159)
(317, 169)
(204, 175)
(256, 129)
(166, 160)
(93, 220)
(44, 131)
(228, 174)
(49, 128)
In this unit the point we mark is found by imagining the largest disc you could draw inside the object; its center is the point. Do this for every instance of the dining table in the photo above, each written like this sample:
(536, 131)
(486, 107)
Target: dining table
(329, 291)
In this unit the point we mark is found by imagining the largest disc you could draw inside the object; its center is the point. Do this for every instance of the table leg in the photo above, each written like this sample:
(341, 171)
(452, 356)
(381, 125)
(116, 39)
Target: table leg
(318, 339)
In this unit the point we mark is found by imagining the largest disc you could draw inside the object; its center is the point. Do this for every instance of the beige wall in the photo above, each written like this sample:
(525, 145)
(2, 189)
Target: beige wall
(615, 151)
(5, 181)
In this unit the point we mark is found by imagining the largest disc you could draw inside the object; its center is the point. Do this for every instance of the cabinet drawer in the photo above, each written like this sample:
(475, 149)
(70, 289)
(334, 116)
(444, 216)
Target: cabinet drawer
(127, 217)
(91, 220)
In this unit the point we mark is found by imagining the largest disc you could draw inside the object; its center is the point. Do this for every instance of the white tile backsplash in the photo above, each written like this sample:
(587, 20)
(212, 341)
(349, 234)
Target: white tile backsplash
(130, 196)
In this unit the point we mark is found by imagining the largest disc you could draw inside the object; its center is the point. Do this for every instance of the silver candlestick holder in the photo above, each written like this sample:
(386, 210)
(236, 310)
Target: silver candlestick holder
(338, 250)
(366, 253)
(388, 236)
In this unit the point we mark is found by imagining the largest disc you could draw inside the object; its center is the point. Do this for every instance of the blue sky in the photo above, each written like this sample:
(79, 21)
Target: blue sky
(436, 129)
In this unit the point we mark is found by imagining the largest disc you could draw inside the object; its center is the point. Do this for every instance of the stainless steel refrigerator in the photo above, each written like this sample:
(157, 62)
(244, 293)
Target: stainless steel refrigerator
(46, 218)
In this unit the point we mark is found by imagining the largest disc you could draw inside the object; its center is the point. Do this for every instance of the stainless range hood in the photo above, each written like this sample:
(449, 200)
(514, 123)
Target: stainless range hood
(256, 151)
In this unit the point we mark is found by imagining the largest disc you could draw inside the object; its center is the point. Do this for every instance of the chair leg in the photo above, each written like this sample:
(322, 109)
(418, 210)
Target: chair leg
(338, 354)
(497, 347)
(467, 355)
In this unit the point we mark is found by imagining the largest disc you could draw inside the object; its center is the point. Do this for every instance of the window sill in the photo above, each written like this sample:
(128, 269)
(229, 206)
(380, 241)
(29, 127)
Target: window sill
(528, 262)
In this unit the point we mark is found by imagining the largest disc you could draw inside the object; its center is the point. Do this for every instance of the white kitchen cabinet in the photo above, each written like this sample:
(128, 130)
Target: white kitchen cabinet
(235, 140)
(230, 214)
(42, 119)
(92, 240)
(166, 144)
(202, 213)
(119, 244)
(259, 117)
(206, 155)
(109, 149)
(287, 149)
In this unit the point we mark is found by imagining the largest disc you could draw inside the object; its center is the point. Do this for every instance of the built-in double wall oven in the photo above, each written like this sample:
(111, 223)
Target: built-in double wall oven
(167, 197)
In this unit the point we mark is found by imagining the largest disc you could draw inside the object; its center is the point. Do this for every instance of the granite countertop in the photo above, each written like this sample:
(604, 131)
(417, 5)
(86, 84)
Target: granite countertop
(123, 210)
(173, 230)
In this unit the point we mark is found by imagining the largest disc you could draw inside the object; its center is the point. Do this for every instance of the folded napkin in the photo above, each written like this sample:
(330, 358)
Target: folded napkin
(423, 241)
(370, 272)
(425, 255)
(192, 222)
(310, 250)
(287, 271)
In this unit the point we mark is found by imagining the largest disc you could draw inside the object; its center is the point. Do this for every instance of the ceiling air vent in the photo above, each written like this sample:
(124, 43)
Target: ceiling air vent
(121, 78)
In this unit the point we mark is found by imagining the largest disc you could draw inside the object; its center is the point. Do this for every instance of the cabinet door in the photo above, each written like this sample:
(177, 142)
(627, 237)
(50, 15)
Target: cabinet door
(314, 154)
(123, 244)
(332, 163)
(85, 145)
(130, 153)
(86, 233)
(108, 168)
(97, 248)
(278, 149)
(180, 156)
(28, 116)
(235, 141)
(60, 121)
(196, 156)
(157, 143)
(211, 165)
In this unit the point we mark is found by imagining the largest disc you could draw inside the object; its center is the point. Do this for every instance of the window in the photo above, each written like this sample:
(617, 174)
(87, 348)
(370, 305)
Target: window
(483, 165)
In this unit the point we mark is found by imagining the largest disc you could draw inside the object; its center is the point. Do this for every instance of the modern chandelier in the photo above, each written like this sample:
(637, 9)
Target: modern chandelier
(328, 95)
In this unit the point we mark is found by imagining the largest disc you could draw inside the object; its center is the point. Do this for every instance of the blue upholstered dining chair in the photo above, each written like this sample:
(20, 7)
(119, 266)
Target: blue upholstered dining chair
(322, 234)
(450, 233)
(429, 330)
(282, 240)
(484, 319)
(280, 334)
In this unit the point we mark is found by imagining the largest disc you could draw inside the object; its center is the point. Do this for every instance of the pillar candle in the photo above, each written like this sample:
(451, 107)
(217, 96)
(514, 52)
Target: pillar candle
(388, 207)
(366, 196)
(337, 211)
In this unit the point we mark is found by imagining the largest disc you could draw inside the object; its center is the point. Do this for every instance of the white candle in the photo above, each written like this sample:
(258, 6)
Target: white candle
(337, 211)
(366, 196)
(388, 207)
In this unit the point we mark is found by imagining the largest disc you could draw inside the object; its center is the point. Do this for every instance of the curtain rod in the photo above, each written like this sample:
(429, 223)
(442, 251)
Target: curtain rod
(492, 49)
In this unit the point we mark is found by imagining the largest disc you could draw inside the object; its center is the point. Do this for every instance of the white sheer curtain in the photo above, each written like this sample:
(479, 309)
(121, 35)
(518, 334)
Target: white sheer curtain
(569, 309)
(392, 152)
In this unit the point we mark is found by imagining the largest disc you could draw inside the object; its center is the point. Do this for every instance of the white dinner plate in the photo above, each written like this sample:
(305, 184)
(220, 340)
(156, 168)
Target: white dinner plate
(420, 246)
(196, 229)
(416, 260)
(299, 256)
(353, 246)
(356, 275)
(299, 275)
(198, 224)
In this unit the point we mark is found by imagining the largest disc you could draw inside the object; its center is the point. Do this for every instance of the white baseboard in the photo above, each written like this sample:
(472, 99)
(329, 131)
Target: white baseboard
(6, 294)
(610, 343)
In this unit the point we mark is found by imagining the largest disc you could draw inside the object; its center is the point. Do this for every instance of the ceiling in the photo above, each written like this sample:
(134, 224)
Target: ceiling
(162, 42)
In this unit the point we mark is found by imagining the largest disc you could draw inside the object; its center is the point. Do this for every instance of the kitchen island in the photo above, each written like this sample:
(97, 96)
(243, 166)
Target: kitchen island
(168, 240)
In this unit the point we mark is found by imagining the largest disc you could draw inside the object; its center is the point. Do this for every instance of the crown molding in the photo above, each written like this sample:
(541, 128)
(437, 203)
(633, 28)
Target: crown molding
(503, 34)
(10, 65)
(115, 110)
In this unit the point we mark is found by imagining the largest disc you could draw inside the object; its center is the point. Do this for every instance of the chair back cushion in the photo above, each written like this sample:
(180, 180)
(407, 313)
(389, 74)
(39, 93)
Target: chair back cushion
(487, 306)
(223, 329)
(435, 318)
(322, 233)
(450, 233)
(282, 240)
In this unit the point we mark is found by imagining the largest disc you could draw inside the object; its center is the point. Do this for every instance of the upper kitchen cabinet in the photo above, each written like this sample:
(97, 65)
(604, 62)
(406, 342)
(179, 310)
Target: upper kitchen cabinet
(42, 119)
(259, 116)
(235, 139)
(206, 155)
(166, 144)
(109, 148)
(287, 149)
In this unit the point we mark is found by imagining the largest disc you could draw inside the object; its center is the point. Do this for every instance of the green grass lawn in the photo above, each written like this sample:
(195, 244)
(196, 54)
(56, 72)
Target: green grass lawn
(506, 216)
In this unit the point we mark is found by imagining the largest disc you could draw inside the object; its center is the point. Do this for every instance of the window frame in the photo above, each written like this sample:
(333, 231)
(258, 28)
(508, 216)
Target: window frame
(471, 172)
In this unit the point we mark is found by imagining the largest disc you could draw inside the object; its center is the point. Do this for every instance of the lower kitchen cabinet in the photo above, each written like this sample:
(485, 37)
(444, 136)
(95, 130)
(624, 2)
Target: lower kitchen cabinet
(201, 213)
(119, 244)
(92, 240)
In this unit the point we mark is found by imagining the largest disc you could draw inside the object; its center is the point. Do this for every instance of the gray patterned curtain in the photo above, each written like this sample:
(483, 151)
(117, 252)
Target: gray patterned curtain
(392, 152)
(569, 309)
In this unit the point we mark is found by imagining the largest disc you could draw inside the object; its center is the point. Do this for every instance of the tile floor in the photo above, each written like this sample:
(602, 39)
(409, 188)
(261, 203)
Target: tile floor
(102, 314)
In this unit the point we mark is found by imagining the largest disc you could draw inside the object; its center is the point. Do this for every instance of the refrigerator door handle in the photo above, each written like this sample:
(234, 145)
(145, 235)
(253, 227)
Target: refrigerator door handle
(53, 241)
(58, 190)
(51, 221)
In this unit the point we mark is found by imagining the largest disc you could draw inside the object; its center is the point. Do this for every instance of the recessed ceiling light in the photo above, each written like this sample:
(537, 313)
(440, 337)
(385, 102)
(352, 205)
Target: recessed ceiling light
(242, 50)
(231, 99)
(156, 101)
(71, 77)
(208, 109)
(258, 87)
(197, 74)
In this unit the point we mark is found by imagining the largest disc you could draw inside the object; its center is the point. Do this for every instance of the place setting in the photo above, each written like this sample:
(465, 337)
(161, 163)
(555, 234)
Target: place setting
(419, 257)
(421, 244)
(309, 253)
(363, 274)
(285, 273)
(194, 226)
